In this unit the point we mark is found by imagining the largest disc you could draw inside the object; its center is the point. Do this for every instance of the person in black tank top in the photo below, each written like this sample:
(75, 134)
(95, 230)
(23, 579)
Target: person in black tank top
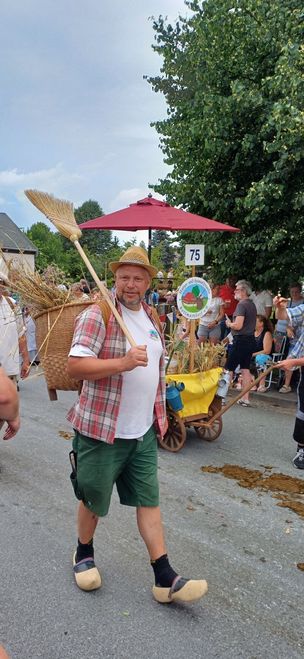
(264, 344)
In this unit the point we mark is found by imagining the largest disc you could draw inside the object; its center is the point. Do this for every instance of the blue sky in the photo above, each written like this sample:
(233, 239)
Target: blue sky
(75, 109)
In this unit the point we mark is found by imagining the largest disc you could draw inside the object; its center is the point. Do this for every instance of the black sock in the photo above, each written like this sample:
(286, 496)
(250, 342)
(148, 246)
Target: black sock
(84, 550)
(163, 572)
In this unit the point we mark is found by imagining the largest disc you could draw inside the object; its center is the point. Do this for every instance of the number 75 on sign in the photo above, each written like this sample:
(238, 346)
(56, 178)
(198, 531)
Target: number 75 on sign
(194, 254)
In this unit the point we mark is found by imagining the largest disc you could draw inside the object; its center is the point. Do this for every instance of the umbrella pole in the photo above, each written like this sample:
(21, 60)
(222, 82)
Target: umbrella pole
(149, 244)
(192, 338)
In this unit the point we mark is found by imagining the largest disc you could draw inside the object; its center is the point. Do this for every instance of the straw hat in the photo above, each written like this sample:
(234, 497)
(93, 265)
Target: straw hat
(134, 256)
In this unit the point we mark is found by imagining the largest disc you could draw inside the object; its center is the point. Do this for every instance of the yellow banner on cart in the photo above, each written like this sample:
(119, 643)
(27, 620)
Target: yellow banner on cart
(199, 392)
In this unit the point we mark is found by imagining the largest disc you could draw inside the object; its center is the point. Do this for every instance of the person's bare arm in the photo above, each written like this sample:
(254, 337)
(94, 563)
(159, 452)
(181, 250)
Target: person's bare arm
(221, 313)
(237, 324)
(25, 367)
(90, 368)
(288, 364)
(9, 405)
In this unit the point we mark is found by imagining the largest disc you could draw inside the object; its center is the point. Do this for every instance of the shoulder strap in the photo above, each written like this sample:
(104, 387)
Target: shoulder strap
(105, 311)
(156, 319)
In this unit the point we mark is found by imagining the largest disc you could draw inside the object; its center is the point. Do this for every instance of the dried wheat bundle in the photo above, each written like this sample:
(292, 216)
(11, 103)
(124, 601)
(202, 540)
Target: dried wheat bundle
(206, 356)
(209, 356)
(34, 291)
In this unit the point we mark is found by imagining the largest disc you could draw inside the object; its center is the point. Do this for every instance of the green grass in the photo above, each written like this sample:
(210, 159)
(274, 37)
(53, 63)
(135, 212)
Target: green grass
(191, 308)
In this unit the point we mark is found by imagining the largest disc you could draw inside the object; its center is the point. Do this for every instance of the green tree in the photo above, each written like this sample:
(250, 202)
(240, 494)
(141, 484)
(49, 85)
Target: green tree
(49, 244)
(232, 77)
(161, 238)
(97, 241)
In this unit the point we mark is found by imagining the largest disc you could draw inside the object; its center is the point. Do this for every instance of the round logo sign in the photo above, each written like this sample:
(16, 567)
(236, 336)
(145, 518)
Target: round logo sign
(194, 298)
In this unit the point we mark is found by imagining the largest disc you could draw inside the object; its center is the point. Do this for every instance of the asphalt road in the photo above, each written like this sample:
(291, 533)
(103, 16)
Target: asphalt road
(238, 539)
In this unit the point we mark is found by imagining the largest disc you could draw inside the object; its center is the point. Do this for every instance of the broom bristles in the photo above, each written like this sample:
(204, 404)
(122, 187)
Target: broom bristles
(59, 211)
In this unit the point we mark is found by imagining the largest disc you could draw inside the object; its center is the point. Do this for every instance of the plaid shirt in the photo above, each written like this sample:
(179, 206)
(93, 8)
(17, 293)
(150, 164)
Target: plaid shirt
(296, 317)
(96, 411)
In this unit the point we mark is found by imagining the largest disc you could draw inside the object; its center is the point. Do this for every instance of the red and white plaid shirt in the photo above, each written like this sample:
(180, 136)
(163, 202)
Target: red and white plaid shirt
(96, 411)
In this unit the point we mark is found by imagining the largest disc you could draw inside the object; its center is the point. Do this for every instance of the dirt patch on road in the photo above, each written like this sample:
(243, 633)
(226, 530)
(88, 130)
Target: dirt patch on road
(287, 489)
(65, 434)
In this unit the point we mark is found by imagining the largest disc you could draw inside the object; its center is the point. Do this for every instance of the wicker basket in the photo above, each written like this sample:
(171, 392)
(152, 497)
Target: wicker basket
(57, 324)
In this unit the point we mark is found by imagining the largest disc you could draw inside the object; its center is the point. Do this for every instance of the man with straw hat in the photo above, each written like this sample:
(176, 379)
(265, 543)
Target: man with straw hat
(120, 408)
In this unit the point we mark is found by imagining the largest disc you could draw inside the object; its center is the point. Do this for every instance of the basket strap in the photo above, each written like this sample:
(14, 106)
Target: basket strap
(156, 319)
(105, 311)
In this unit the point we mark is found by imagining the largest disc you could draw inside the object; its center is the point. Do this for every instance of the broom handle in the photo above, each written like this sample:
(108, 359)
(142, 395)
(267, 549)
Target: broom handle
(105, 293)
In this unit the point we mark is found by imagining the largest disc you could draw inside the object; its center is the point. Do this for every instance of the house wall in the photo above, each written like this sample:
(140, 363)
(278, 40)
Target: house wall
(26, 261)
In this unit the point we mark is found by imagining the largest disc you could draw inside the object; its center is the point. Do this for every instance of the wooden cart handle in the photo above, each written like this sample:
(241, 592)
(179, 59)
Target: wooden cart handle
(239, 396)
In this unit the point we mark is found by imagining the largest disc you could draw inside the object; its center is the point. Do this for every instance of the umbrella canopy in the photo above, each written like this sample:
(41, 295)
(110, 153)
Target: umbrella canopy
(150, 213)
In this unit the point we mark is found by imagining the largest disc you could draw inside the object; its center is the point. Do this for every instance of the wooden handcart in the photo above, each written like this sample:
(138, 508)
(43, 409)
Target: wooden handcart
(208, 425)
(176, 434)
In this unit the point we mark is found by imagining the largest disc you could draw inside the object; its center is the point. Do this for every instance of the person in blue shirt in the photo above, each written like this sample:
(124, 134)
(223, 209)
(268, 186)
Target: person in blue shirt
(155, 297)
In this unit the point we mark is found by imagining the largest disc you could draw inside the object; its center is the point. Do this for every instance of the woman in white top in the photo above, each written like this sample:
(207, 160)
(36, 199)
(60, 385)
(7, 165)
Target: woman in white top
(209, 327)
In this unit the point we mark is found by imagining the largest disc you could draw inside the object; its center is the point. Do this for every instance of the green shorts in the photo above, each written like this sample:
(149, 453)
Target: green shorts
(129, 463)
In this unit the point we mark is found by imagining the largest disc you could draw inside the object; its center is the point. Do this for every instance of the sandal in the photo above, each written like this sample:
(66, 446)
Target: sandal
(244, 403)
(262, 390)
(86, 574)
(285, 389)
(182, 590)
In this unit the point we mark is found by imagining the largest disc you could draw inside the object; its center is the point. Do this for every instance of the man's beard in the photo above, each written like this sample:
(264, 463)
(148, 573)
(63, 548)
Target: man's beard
(130, 304)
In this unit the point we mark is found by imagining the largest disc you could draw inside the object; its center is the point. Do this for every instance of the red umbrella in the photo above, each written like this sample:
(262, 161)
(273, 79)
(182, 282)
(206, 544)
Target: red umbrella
(150, 213)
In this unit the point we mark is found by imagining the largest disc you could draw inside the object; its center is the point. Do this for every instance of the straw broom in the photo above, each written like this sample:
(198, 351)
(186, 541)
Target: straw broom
(61, 214)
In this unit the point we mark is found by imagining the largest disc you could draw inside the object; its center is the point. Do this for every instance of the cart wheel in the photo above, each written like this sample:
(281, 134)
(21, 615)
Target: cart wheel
(175, 436)
(212, 433)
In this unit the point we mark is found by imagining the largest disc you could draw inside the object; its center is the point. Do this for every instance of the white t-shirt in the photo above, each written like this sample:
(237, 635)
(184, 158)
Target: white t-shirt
(213, 311)
(9, 345)
(139, 386)
(261, 301)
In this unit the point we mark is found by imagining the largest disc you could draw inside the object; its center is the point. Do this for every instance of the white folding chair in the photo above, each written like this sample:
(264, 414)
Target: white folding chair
(275, 376)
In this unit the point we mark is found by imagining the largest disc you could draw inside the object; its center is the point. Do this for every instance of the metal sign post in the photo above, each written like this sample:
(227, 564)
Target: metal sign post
(194, 295)
(194, 255)
(192, 337)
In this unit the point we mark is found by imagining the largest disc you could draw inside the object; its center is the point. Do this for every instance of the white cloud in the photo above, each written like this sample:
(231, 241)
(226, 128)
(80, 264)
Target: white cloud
(55, 176)
(130, 196)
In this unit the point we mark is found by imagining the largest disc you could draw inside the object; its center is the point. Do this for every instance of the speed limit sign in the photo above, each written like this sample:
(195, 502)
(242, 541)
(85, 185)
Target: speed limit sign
(195, 255)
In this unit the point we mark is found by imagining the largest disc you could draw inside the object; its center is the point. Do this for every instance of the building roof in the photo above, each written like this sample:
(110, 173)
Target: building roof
(12, 239)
